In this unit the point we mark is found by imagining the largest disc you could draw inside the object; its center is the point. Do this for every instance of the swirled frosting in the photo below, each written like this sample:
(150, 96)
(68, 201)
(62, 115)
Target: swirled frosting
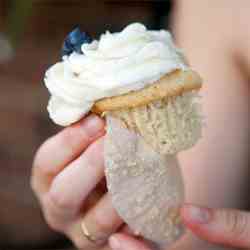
(116, 64)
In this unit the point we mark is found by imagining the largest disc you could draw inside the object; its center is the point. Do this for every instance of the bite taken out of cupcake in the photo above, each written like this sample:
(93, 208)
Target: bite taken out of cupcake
(141, 84)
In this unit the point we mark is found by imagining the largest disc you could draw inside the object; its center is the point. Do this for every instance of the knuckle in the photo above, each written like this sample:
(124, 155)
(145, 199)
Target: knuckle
(34, 185)
(60, 202)
(52, 221)
(42, 151)
(40, 174)
(68, 138)
(236, 223)
(40, 160)
(95, 149)
(35, 182)
(103, 228)
(54, 218)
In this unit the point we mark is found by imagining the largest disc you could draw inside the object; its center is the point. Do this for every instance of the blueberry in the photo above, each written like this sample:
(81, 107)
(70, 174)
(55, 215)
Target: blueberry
(74, 41)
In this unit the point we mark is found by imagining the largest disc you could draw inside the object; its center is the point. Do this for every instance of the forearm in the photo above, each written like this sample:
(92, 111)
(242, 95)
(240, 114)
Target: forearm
(221, 157)
(216, 171)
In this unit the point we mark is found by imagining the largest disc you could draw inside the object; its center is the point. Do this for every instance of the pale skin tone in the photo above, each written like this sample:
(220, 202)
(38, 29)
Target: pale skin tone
(68, 167)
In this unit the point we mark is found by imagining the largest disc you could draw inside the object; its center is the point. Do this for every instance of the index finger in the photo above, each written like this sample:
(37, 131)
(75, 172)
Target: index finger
(58, 151)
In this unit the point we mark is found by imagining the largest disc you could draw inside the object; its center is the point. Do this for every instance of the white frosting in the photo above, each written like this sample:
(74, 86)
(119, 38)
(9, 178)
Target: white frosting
(114, 65)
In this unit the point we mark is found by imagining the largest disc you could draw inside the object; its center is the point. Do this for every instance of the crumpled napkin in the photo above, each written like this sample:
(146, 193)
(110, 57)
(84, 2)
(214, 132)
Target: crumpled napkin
(146, 187)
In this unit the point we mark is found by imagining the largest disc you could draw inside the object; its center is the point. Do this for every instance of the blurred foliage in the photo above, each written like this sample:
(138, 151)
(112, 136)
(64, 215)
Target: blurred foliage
(18, 14)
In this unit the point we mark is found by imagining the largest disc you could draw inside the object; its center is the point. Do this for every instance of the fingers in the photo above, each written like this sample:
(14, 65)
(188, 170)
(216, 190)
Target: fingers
(62, 148)
(72, 186)
(125, 242)
(69, 183)
(222, 226)
(102, 220)
(68, 193)
(99, 223)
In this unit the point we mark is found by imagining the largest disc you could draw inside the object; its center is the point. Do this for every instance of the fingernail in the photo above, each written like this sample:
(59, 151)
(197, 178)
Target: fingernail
(92, 125)
(114, 243)
(197, 215)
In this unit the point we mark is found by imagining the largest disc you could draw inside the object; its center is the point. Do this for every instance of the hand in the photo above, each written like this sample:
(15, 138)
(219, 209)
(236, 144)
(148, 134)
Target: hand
(220, 226)
(68, 177)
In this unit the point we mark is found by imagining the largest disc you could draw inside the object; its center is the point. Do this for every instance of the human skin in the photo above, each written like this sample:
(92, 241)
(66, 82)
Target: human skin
(67, 169)
(216, 171)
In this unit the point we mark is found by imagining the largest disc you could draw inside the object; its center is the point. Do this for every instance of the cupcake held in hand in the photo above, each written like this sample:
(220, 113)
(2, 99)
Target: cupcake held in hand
(139, 81)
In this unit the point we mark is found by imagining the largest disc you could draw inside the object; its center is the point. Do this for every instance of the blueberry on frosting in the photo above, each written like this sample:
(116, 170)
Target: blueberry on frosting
(74, 41)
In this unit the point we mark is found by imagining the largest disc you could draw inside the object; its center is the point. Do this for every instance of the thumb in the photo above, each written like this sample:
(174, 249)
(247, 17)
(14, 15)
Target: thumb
(222, 226)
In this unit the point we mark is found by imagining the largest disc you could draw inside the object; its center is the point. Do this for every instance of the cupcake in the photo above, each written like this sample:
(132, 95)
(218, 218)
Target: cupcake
(139, 78)
(166, 114)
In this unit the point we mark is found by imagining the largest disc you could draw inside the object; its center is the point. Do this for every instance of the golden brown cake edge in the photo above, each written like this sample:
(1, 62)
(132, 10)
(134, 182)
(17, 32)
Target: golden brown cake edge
(173, 84)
